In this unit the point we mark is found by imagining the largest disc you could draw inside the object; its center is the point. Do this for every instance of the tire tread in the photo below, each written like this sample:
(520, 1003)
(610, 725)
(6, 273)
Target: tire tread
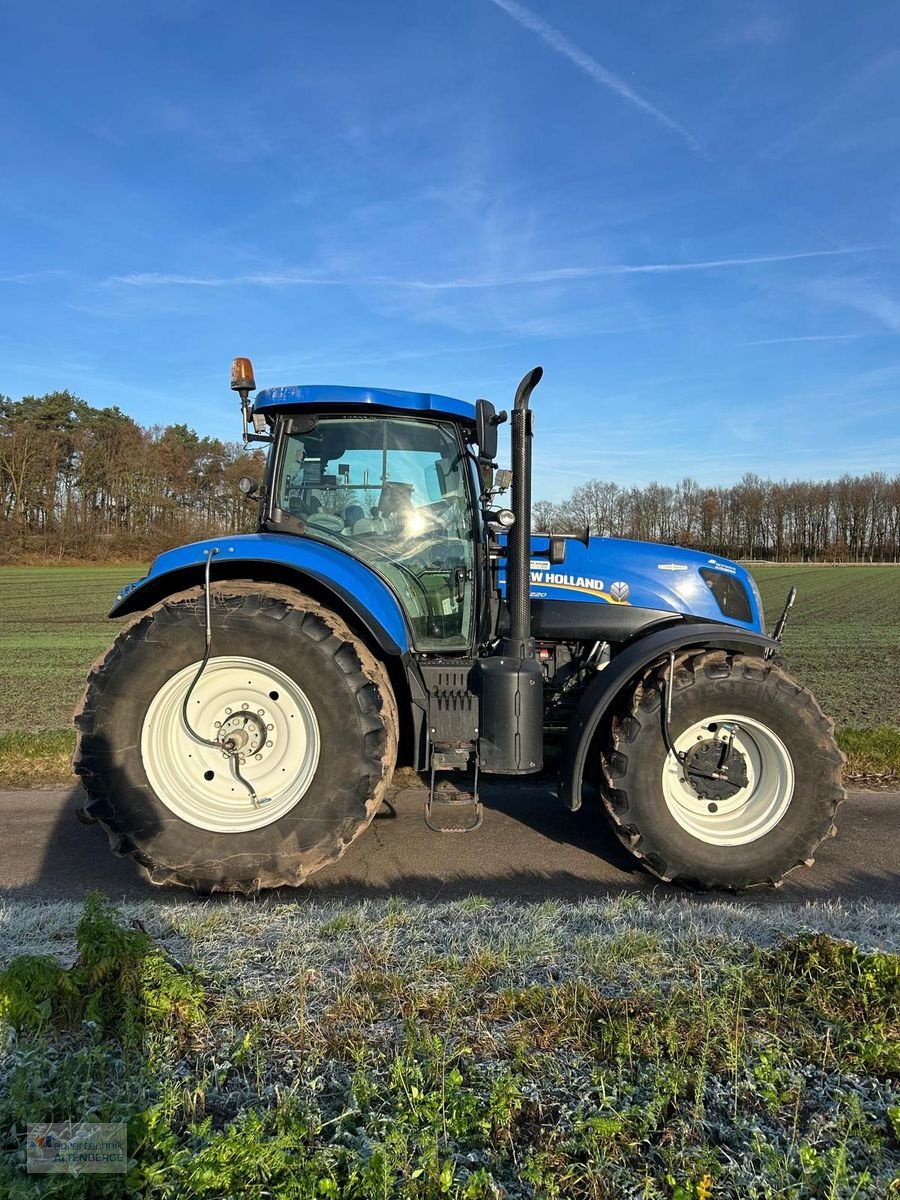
(369, 684)
(646, 697)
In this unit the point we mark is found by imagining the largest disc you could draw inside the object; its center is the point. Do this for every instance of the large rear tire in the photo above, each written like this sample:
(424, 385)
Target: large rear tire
(311, 707)
(766, 812)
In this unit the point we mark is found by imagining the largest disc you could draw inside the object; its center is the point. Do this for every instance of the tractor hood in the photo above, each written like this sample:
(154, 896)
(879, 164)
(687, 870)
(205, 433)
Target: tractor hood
(645, 575)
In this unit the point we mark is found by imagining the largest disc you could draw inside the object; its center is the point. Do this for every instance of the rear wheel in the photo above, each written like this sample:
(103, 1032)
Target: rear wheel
(747, 788)
(308, 714)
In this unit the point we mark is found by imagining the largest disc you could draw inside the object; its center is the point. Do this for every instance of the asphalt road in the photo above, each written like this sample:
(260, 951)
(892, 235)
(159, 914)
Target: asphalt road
(529, 847)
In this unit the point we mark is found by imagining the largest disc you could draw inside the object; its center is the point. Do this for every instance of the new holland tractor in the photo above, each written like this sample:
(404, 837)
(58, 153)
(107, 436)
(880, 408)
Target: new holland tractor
(244, 726)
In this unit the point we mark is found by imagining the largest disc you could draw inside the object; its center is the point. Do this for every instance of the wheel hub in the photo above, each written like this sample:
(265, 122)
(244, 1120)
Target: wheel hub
(716, 770)
(728, 779)
(243, 733)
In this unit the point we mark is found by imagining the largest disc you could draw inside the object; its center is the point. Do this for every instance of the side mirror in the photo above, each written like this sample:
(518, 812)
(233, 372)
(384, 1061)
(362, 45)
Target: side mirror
(486, 422)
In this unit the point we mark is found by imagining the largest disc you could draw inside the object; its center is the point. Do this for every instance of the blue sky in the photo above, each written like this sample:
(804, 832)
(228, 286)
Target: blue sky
(689, 213)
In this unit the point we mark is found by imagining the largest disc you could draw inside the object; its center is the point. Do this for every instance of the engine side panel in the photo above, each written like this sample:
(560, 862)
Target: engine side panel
(583, 621)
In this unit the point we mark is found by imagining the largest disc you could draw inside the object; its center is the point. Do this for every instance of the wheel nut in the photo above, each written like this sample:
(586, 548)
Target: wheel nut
(258, 757)
(268, 743)
(713, 808)
(217, 724)
(261, 712)
(270, 726)
(245, 706)
(227, 712)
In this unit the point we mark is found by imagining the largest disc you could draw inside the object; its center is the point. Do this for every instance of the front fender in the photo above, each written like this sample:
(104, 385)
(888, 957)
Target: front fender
(283, 557)
(608, 684)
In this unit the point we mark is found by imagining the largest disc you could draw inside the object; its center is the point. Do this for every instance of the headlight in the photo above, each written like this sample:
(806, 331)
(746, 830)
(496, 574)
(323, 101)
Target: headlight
(730, 594)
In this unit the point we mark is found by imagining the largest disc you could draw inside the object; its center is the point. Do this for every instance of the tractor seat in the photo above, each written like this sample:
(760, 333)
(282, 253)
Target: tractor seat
(322, 520)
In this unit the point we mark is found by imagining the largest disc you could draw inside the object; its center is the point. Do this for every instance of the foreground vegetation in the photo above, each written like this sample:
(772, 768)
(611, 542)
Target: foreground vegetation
(621, 1048)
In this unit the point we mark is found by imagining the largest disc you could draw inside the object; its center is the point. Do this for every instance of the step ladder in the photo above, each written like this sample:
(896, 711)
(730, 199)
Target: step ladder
(447, 804)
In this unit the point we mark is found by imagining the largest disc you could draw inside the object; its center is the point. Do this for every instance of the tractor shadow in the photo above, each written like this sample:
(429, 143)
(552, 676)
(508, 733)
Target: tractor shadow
(529, 848)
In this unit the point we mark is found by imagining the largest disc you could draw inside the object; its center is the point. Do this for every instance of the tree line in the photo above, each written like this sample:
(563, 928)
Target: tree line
(855, 518)
(84, 482)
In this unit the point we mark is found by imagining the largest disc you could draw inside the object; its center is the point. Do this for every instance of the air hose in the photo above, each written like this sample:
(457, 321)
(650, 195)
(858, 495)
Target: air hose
(228, 745)
(680, 756)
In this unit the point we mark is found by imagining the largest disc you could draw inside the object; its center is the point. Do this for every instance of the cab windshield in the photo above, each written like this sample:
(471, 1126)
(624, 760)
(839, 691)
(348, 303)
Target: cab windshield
(391, 492)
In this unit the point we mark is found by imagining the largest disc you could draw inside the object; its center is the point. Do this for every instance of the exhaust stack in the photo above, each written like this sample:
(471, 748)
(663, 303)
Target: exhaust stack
(511, 682)
(518, 546)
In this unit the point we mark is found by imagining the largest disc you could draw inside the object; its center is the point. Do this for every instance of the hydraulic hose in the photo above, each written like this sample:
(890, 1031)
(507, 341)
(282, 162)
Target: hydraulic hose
(227, 745)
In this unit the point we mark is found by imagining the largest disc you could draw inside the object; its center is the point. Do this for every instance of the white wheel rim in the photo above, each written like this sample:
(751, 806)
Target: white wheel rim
(195, 781)
(753, 810)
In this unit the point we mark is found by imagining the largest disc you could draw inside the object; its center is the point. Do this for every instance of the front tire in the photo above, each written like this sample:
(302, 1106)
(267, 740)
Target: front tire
(690, 821)
(311, 707)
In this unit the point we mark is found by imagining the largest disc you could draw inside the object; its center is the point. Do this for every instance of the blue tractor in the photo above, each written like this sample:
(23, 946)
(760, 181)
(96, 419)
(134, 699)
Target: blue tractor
(244, 727)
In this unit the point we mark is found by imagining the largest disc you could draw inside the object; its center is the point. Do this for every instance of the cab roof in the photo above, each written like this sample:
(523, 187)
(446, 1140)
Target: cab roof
(319, 396)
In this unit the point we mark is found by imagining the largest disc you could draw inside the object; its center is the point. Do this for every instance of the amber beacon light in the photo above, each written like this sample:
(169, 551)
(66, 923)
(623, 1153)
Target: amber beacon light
(243, 383)
(242, 376)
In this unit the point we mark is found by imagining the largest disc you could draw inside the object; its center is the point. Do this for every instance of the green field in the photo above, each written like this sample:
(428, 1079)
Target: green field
(843, 637)
(52, 626)
(843, 641)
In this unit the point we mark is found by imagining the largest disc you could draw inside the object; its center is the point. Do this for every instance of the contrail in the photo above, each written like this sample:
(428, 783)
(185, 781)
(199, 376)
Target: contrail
(560, 43)
(556, 274)
(812, 337)
(266, 279)
(278, 279)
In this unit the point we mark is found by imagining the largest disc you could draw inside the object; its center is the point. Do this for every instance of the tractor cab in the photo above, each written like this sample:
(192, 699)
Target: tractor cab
(393, 490)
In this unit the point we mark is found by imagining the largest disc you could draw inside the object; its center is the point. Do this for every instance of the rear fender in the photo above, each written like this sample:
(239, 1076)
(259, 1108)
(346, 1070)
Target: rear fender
(323, 571)
(624, 670)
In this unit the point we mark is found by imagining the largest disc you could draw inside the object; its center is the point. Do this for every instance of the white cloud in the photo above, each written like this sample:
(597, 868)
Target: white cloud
(864, 297)
(28, 276)
(823, 122)
(761, 30)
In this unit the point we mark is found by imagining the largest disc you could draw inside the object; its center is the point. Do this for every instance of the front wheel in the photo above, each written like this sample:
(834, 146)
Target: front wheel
(306, 710)
(748, 785)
